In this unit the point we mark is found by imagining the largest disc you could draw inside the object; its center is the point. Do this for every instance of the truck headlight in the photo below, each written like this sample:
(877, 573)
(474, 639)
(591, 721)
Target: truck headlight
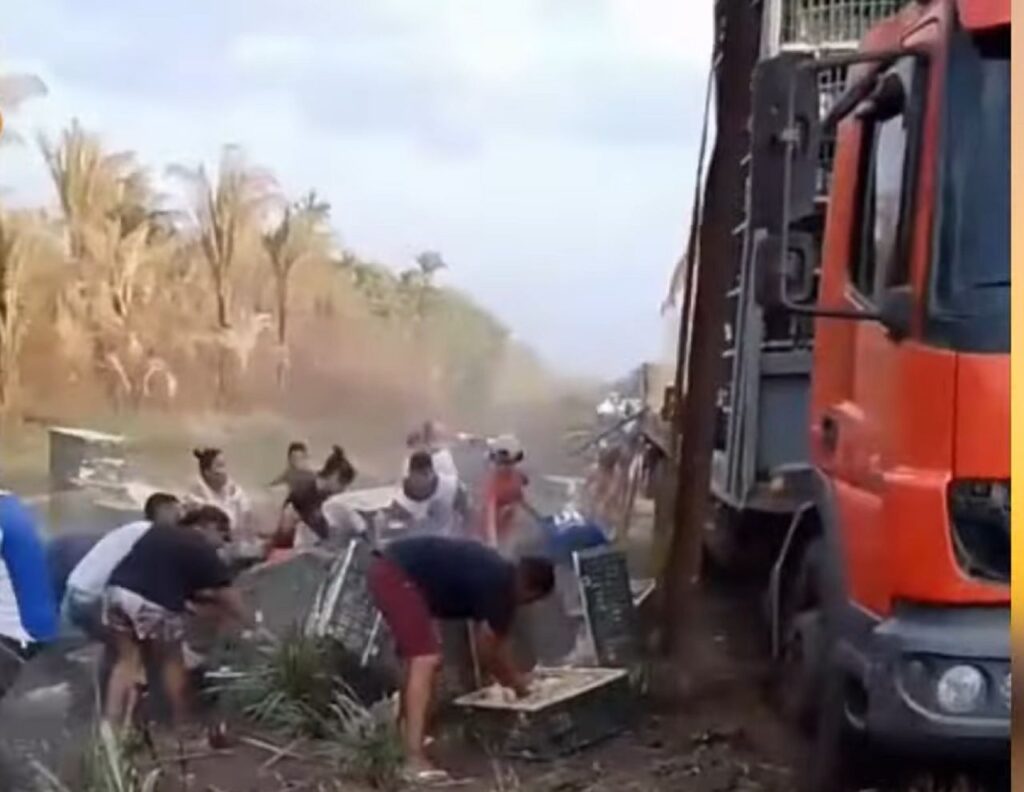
(960, 689)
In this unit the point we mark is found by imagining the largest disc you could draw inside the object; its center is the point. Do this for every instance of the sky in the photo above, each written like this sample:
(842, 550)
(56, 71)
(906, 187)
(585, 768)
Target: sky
(547, 148)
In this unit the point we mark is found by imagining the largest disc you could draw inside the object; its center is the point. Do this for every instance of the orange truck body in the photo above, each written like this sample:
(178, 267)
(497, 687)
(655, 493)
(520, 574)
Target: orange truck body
(871, 443)
(912, 417)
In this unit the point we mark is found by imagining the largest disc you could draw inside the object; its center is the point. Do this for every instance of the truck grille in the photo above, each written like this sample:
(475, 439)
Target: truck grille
(980, 515)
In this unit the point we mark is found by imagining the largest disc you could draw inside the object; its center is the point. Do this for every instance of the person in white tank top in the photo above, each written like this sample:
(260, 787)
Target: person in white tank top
(431, 437)
(429, 501)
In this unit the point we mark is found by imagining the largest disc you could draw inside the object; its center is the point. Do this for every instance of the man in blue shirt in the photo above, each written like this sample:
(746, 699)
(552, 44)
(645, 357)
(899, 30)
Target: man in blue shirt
(563, 538)
(28, 611)
(419, 580)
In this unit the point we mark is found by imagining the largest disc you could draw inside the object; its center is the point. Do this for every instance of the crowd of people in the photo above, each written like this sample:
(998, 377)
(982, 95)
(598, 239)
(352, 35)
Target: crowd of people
(441, 550)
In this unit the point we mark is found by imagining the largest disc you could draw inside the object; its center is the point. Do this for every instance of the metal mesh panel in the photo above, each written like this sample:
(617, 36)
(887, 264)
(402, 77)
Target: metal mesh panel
(831, 83)
(823, 22)
(343, 609)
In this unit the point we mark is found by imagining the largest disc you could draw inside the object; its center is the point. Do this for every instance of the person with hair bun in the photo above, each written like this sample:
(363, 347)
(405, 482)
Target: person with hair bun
(302, 518)
(215, 487)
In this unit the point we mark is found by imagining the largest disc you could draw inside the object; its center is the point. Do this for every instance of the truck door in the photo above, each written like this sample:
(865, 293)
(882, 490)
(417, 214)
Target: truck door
(852, 423)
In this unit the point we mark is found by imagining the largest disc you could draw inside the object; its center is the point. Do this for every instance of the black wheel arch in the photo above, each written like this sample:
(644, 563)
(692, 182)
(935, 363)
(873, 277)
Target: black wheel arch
(816, 528)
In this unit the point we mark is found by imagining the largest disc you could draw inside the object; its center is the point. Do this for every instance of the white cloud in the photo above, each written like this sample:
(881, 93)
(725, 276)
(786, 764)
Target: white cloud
(266, 52)
(546, 146)
(666, 29)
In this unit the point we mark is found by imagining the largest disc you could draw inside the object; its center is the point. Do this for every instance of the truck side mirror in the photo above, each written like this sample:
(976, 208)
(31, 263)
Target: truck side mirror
(783, 279)
(778, 82)
(887, 100)
(896, 311)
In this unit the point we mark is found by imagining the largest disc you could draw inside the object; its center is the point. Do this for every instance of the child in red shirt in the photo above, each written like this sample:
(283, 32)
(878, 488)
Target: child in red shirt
(504, 490)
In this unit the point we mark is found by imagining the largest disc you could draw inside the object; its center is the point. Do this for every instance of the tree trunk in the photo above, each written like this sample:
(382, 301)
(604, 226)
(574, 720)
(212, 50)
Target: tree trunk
(222, 309)
(221, 395)
(281, 284)
(223, 324)
(7, 384)
(716, 266)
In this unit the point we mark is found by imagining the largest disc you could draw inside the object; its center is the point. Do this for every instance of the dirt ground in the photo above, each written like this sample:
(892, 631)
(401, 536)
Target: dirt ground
(724, 737)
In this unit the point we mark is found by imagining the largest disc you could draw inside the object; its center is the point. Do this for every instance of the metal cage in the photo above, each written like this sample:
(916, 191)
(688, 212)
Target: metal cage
(822, 27)
(824, 24)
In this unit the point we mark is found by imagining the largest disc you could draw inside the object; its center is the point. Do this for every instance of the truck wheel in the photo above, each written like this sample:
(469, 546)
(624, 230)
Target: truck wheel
(799, 668)
(798, 679)
(839, 760)
(718, 563)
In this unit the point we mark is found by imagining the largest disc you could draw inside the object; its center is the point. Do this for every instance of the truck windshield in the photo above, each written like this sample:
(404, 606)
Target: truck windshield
(970, 304)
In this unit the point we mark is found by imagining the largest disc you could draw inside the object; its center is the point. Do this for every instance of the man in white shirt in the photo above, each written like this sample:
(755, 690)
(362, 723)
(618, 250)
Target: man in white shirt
(84, 594)
(431, 438)
(429, 501)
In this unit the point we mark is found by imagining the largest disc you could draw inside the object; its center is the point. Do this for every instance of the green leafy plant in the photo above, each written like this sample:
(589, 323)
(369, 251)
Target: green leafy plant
(296, 689)
(365, 742)
(109, 764)
(289, 689)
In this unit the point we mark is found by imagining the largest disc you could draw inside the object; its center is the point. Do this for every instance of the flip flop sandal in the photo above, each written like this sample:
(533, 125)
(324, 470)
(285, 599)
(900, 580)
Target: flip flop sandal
(426, 777)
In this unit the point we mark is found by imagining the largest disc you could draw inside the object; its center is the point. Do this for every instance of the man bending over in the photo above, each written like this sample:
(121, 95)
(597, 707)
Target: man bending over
(419, 580)
(147, 597)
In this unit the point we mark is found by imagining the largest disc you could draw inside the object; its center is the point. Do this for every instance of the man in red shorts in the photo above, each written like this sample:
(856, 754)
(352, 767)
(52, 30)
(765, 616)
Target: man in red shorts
(419, 580)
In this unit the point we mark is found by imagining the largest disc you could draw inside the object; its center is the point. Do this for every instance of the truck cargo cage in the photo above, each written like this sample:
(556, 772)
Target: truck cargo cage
(766, 358)
(824, 24)
(822, 27)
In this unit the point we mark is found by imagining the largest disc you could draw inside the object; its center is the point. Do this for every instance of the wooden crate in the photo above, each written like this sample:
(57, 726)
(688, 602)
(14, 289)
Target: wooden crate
(71, 449)
(575, 708)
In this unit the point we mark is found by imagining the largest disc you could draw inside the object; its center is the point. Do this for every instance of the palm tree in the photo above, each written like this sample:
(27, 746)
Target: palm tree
(92, 184)
(222, 214)
(126, 265)
(301, 234)
(420, 280)
(15, 90)
(430, 263)
(23, 237)
(114, 239)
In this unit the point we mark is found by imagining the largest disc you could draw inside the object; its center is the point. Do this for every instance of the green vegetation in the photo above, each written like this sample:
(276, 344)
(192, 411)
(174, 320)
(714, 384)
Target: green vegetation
(109, 764)
(294, 689)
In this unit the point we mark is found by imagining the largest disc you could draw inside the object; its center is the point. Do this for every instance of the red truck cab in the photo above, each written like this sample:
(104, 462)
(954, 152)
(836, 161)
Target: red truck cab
(906, 537)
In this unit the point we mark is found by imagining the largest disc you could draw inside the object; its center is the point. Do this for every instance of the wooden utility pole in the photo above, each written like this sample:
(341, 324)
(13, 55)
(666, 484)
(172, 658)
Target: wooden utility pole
(712, 271)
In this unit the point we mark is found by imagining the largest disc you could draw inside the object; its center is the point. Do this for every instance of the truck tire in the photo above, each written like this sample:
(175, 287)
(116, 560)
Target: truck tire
(798, 677)
(717, 562)
(839, 758)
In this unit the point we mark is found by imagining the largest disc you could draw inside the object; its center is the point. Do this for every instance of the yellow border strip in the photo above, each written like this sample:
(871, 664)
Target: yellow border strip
(1017, 383)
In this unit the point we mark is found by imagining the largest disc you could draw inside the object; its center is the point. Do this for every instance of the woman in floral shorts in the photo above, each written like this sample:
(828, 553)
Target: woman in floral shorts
(168, 571)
